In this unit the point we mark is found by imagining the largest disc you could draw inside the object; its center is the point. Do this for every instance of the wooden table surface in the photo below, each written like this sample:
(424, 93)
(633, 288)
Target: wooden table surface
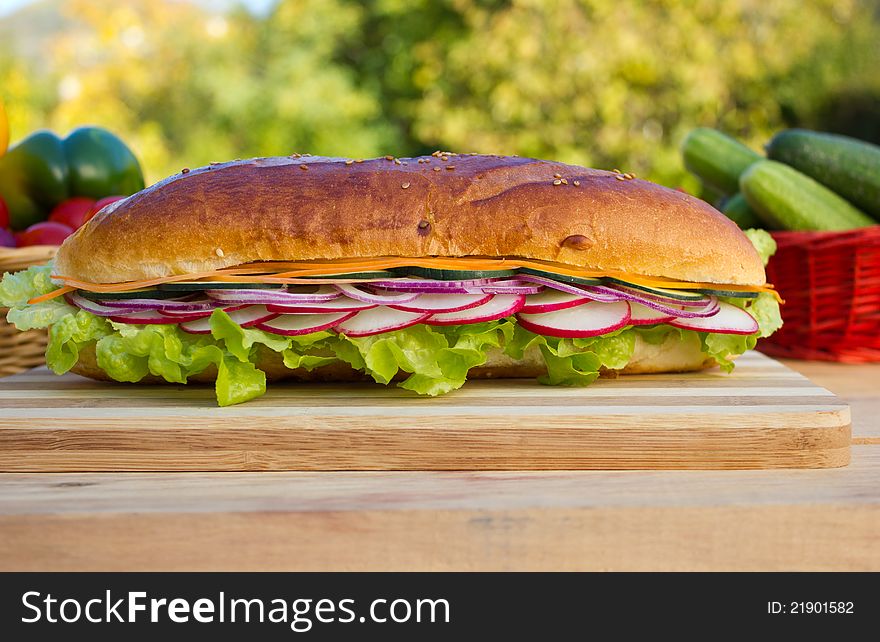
(592, 520)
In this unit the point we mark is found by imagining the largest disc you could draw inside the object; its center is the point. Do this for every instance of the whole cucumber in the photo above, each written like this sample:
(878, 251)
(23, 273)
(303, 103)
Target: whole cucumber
(786, 199)
(716, 158)
(737, 209)
(848, 166)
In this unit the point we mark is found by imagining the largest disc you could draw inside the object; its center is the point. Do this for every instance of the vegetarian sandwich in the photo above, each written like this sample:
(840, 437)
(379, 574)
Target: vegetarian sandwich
(420, 271)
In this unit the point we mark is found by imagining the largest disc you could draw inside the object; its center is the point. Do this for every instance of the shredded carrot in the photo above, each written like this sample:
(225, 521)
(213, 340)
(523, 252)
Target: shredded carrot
(51, 295)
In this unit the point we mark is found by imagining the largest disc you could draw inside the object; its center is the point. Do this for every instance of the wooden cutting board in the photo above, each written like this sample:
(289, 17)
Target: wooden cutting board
(764, 415)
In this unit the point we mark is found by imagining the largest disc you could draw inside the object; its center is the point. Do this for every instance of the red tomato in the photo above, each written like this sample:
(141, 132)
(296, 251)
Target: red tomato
(101, 204)
(4, 213)
(72, 212)
(45, 233)
(6, 238)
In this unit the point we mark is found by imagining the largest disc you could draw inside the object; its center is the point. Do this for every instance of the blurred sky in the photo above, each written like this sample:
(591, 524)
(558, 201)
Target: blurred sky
(256, 6)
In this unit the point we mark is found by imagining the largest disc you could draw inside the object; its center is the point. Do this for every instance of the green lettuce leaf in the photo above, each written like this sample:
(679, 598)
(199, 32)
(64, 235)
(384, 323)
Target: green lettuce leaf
(68, 334)
(17, 288)
(241, 341)
(766, 311)
(723, 347)
(437, 358)
(763, 242)
(574, 362)
(238, 382)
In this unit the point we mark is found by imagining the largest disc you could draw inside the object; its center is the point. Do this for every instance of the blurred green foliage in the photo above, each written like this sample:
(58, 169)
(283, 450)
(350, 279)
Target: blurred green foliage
(607, 84)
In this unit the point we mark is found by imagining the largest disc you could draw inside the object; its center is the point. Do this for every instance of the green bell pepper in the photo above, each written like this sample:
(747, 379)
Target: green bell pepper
(101, 164)
(43, 170)
(34, 177)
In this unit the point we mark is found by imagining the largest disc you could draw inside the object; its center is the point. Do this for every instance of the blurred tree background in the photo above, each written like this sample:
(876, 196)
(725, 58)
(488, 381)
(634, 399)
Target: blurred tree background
(594, 82)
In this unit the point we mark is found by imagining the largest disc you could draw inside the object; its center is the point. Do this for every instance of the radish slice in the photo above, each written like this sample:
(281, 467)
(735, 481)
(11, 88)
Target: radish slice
(146, 317)
(588, 320)
(291, 325)
(443, 302)
(182, 317)
(380, 297)
(378, 320)
(551, 300)
(251, 315)
(501, 305)
(728, 320)
(342, 304)
(643, 315)
(246, 317)
(199, 326)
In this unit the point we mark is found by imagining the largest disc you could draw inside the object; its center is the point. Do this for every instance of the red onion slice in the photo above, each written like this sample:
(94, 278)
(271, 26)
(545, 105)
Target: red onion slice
(143, 317)
(668, 300)
(679, 311)
(432, 286)
(204, 313)
(135, 305)
(90, 306)
(379, 297)
(676, 309)
(594, 293)
(206, 308)
(274, 297)
(427, 289)
(512, 289)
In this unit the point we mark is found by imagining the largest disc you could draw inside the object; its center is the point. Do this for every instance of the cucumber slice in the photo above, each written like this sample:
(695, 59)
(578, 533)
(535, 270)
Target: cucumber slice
(131, 294)
(451, 275)
(562, 278)
(192, 286)
(681, 295)
(729, 293)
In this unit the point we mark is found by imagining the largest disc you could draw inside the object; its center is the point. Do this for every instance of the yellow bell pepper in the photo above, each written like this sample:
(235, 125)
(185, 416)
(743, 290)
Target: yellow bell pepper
(4, 129)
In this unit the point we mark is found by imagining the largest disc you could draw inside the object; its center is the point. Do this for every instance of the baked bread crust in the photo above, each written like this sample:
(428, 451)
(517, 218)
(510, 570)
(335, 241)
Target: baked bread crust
(309, 208)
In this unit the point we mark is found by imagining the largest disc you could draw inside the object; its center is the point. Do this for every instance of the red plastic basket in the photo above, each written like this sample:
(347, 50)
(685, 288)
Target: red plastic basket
(831, 285)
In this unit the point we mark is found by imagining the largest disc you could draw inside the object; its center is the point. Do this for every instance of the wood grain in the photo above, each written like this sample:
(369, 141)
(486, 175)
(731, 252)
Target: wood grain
(589, 520)
(856, 384)
(762, 416)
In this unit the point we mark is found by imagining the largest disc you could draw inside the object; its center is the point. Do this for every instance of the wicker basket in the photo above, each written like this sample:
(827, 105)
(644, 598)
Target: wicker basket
(831, 285)
(21, 351)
